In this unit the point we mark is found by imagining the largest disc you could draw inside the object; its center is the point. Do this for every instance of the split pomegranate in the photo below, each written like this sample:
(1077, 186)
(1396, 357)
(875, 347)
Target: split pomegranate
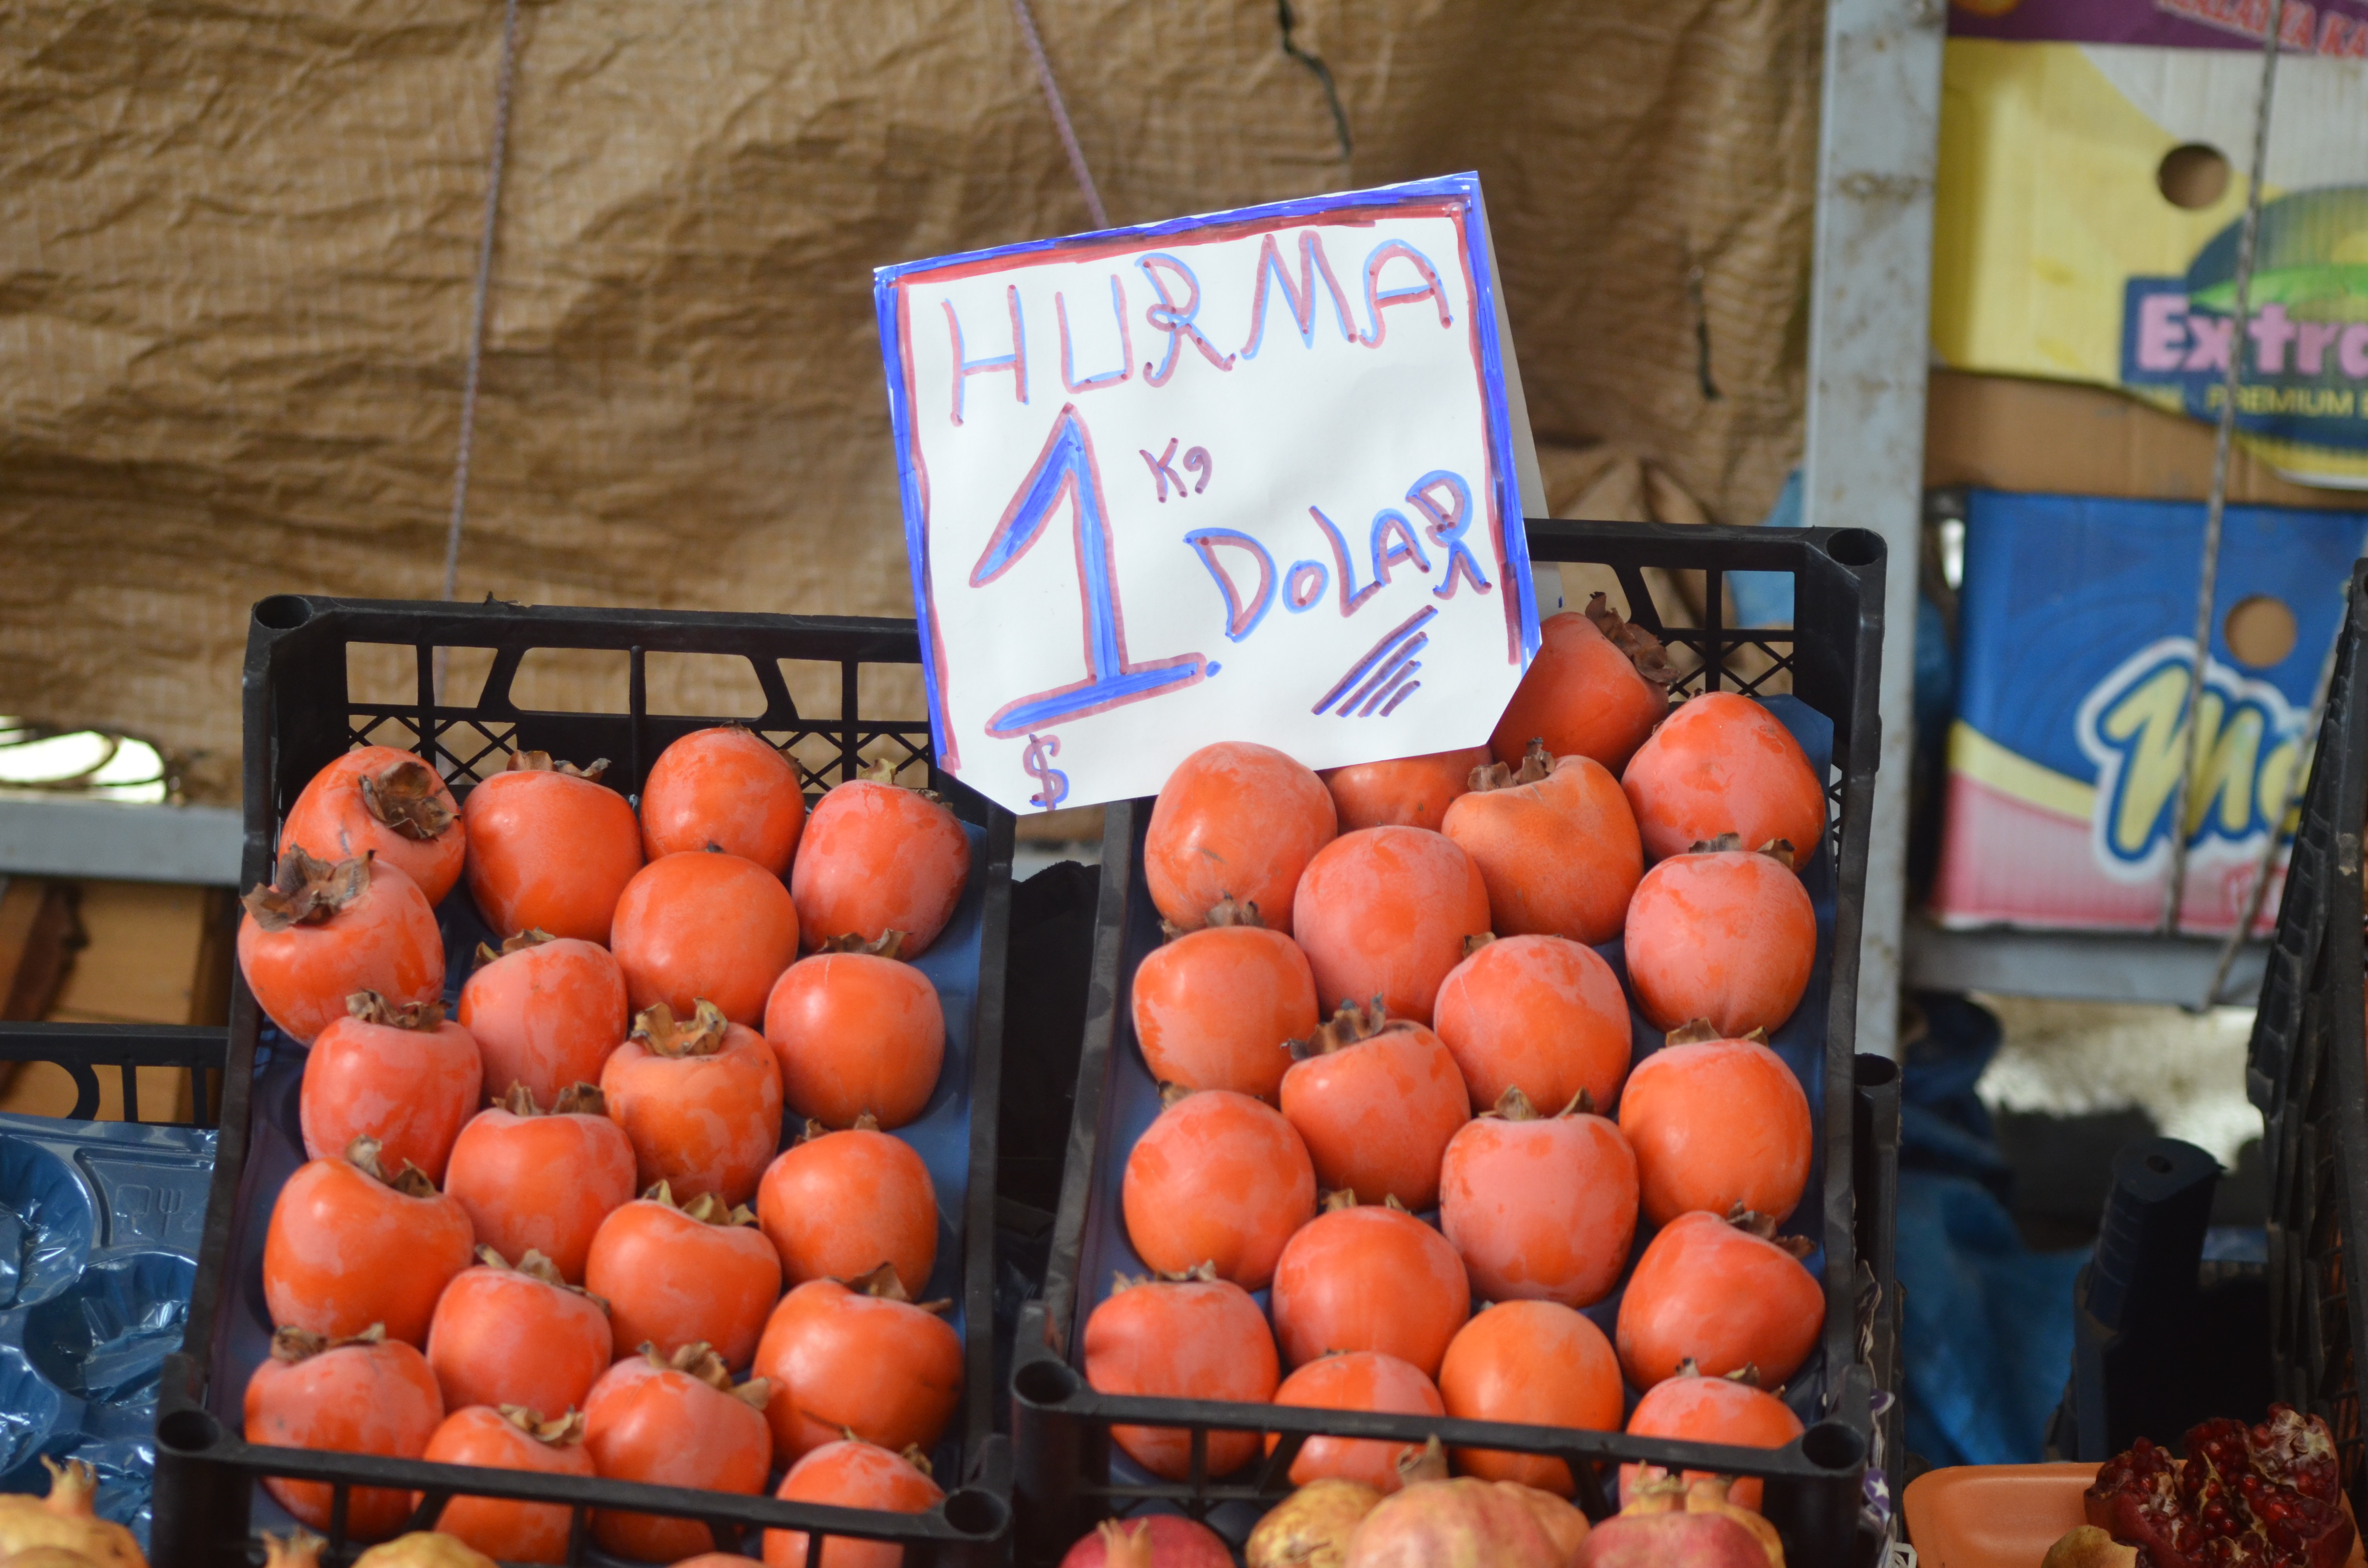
(1369, 1278)
(1311, 1528)
(550, 848)
(517, 1335)
(1542, 1013)
(545, 1011)
(1723, 1293)
(1407, 792)
(698, 1273)
(320, 931)
(532, 1182)
(376, 800)
(860, 1357)
(1536, 1362)
(674, 1421)
(879, 857)
(1555, 844)
(1217, 1008)
(699, 1097)
(65, 1528)
(723, 789)
(1540, 1207)
(1673, 1521)
(1355, 1379)
(401, 1075)
(855, 1032)
(1723, 764)
(1721, 935)
(1434, 1520)
(838, 1205)
(1376, 1101)
(1219, 1178)
(350, 1245)
(1195, 1336)
(1236, 822)
(2270, 1495)
(1155, 1540)
(1708, 1410)
(1716, 1123)
(703, 926)
(1596, 688)
(362, 1394)
(510, 1438)
(1387, 912)
(852, 1474)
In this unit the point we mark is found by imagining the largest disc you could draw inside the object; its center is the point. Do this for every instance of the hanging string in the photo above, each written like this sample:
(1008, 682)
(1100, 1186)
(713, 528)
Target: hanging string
(1027, 20)
(2191, 705)
(473, 370)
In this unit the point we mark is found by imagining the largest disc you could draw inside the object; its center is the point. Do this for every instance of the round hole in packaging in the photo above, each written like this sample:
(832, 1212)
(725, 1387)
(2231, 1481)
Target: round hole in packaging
(2193, 175)
(47, 1222)
(2259, 631)
(106, 1339)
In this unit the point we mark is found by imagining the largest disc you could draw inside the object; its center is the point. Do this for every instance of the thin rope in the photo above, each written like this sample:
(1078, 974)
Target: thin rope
(2215, 509)
(473, 371)
(1027, 20)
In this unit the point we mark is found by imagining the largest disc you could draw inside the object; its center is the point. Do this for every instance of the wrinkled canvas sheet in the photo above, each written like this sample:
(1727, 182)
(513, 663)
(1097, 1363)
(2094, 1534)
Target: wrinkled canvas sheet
(237, 245)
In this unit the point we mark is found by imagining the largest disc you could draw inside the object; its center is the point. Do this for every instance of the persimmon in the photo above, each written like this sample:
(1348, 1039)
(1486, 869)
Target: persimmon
(1192, 1337)
(542, 1182)
(376, 800)
(701, 1099)
(1376, 1100)
(862, 1358)
(1723, 1293)
(403, 1075)
(726, 787)
(1721, 935)
(1701, 1409)
(320, 931)
(851, 1473)
(1540, 1206)
(674, 1420)
(854, 1033)
(1386, 912)
(698, 1273)
(1217, 1008)
(1220, 1178)
(510, 1438)
(1532, 1362)
(550, 847)
(1355, 1379)
(1724, 764)
(1541, 1013)
(703, 926)
(1239, 821)
(350, 1245)
(838, 1205)
(362, 1394)
(1405, 792)
(1716, 1123)
(1555, 844)
(1369, 1278)
(879, 857)
(1596, 688)
(517, 1335)
(545, 1012)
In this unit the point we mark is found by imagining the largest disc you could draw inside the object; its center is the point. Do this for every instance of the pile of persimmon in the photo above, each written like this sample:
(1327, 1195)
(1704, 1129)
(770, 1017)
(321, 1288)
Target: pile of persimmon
(1391, 1022)
(560, 1229)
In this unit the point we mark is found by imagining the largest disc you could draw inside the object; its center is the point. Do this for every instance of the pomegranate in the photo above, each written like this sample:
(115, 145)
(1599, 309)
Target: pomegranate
(1732, 1410)
(1542, 1207)
(64, 1520)
(1724, 764)
(2265, 1494)
(1405, 792)
(1369, 1278)
(1311, 1528)
(1182, 1337)
(1539, 1012)
(1219, 1177)
(1217, 1008)
(1721, 935)
(1596, 688)
(1376, 1099)
(1235, 820)
(1356, 1380)
(1670, 1522)
(1387, 912)
(1714, 1123)
(1555, 844)
(1156, 1540)
(1433, 1520)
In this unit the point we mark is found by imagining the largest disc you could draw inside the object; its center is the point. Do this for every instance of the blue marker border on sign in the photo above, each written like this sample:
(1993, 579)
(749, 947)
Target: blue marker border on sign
(1510, 537)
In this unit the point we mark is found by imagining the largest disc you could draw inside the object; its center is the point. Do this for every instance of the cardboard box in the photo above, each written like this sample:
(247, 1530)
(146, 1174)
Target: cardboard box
(2074, 633)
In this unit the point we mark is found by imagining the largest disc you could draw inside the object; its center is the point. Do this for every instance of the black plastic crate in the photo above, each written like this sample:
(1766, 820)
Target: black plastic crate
(299, 715)
(2306, 1073)
(84, 1050)
(1065, 1477)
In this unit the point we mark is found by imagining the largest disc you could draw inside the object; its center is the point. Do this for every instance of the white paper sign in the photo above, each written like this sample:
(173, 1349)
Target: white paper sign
(1250, 476)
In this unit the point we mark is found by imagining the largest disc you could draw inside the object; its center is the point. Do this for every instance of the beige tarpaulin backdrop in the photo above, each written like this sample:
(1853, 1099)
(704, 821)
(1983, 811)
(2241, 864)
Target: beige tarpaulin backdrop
(236, 247)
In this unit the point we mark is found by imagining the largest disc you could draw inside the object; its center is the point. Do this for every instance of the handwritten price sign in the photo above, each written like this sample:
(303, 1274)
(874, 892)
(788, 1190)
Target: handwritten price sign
(1243, 477)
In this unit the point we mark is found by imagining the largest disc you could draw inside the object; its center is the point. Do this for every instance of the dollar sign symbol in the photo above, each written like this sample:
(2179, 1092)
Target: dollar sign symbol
(1053, 785)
